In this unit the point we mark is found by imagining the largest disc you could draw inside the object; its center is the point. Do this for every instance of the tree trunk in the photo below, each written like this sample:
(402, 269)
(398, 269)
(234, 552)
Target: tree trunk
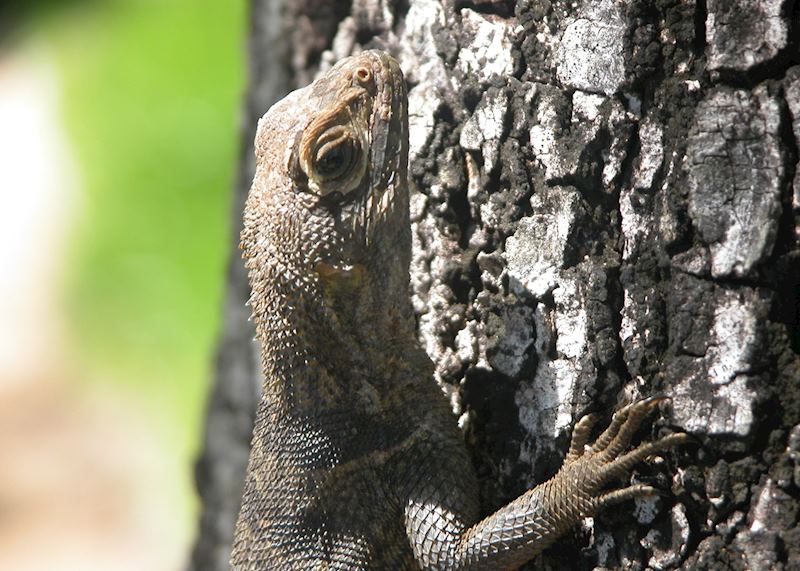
(605, 205)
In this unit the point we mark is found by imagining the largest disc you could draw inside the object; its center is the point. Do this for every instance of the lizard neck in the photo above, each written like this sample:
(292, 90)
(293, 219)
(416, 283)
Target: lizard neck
(325, 341)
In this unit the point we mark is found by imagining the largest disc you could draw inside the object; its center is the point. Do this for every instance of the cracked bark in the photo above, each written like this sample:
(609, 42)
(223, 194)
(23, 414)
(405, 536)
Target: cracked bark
(606, 200)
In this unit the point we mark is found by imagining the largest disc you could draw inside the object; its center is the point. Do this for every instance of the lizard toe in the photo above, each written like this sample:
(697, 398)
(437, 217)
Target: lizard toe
(580, 436)
(634, 414)
(618, 496)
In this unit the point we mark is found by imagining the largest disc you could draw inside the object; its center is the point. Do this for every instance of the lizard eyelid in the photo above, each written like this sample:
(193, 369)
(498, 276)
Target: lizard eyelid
(293, 165)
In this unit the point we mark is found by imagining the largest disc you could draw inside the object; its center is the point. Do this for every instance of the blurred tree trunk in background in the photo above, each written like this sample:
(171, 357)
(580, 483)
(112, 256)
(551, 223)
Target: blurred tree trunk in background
(605, 205)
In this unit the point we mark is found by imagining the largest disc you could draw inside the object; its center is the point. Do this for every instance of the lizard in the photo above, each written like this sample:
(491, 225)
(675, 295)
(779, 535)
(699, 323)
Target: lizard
(356, 459)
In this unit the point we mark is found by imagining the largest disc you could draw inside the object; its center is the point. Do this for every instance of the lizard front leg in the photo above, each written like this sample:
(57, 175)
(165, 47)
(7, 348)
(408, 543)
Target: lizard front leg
(518, 532)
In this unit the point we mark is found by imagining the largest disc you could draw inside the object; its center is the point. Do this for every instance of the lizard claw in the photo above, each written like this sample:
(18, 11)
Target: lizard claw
(624, 425)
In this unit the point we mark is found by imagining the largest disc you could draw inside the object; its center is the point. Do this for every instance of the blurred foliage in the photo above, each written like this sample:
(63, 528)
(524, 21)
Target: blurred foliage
(151, 97)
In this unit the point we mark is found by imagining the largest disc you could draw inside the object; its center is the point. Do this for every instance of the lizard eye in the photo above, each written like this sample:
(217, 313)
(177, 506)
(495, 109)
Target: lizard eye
(334, 162)
(334, 156)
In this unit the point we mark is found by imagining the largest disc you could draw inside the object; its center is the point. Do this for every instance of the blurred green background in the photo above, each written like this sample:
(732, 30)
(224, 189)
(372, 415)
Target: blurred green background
(151, 93)
(149, 96)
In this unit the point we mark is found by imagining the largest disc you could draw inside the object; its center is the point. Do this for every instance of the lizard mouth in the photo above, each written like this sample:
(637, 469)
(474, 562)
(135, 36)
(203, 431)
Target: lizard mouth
(385, 195)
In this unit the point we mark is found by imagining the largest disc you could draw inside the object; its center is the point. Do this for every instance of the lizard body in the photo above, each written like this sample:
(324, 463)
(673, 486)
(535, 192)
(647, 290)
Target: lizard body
(356, 460)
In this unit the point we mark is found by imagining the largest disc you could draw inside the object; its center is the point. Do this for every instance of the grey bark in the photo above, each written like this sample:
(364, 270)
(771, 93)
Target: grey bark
(606, 198)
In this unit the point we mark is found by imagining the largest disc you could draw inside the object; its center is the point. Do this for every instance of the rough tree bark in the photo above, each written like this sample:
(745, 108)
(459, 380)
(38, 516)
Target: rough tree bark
(606, 198)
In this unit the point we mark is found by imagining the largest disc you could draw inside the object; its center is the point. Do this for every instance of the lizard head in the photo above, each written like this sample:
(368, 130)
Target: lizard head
(329, 202)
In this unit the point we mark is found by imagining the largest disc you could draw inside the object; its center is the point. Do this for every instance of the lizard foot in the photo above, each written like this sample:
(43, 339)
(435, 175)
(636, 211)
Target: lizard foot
(594, 466)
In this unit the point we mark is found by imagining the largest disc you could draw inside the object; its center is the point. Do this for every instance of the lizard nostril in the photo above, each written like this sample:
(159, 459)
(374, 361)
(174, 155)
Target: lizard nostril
(363, 75)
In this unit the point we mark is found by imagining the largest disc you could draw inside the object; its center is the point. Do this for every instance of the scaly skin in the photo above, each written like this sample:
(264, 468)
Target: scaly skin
(356, 460)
